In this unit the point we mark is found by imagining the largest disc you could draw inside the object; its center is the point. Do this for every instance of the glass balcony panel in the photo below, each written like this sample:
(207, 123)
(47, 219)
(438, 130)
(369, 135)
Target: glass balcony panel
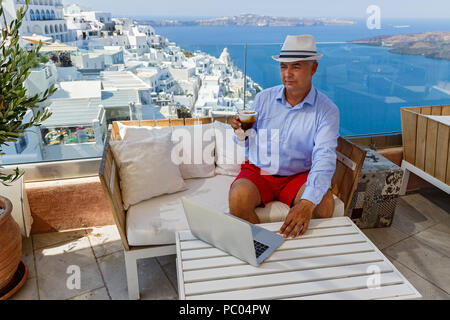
(369, 85)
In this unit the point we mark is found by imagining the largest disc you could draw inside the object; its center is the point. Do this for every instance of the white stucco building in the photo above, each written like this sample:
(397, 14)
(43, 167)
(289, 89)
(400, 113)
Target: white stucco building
(44, 17)
(85, 23)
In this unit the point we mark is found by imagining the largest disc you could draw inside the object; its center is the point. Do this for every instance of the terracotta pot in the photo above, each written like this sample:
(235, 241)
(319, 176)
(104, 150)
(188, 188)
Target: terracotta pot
(10, 243)
(19, 279)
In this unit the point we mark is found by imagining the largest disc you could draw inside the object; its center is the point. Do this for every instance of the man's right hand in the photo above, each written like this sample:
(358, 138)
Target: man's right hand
(237, 126)
(236, 123)
(238, 131)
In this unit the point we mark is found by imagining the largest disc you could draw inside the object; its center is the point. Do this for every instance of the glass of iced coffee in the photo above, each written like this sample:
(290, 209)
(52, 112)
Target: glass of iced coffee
(247, 118)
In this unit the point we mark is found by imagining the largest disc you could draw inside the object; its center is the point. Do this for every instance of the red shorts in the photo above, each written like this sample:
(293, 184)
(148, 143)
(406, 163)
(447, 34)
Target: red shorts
(283, 188)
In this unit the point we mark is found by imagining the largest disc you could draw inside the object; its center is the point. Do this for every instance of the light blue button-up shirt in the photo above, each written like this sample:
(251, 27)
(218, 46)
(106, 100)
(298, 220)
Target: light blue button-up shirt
(289, 140)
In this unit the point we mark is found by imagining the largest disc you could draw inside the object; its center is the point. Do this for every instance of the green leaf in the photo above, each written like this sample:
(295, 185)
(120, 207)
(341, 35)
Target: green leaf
(15, 101)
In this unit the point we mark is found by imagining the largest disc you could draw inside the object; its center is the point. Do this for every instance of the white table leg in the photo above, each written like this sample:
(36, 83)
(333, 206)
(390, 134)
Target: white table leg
(405, 179)
(132, 276)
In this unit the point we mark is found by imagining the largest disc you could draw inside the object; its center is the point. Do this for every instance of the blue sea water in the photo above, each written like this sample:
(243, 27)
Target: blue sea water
(368, 84)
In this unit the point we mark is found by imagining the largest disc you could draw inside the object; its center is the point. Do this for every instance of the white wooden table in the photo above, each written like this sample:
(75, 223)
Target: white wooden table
(332, 260)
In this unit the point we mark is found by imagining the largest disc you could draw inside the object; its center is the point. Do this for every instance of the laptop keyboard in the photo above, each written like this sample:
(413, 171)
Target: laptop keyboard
(259, 248)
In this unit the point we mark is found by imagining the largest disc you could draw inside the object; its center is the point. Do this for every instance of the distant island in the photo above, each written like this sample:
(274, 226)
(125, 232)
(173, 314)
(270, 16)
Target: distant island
(433, 44)
(253, 20)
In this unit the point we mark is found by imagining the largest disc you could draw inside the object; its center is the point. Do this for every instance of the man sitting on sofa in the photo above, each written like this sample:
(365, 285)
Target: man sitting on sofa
(303, 125)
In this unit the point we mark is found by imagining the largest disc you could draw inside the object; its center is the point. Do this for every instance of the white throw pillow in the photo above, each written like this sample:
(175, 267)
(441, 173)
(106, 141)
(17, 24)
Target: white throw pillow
(146, 169)
(273, 211)
(135, 133)
(194, 150)
(229, 154)
(193, 146)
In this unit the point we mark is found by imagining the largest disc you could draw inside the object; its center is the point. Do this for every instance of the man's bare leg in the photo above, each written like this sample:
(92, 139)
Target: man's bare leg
(243, 198)
(324, 209)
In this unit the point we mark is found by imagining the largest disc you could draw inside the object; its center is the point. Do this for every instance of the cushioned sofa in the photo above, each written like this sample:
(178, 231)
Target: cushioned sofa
(148, 216)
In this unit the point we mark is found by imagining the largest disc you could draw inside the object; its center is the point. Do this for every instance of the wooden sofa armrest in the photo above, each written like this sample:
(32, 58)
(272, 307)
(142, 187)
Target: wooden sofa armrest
(109, 177)
(350, 159)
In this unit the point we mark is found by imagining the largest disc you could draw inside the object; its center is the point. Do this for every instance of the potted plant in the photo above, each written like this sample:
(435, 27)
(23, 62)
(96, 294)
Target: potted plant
(15, 65)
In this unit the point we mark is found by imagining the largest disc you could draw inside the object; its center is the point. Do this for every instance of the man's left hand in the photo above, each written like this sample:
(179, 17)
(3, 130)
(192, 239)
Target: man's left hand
(297, 220)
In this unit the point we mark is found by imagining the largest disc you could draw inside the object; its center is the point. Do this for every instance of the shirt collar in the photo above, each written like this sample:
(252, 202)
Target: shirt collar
(309, 99)
(280, 95)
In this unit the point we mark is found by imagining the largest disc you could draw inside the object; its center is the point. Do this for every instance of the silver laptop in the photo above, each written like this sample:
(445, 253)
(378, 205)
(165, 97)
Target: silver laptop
(231, 234)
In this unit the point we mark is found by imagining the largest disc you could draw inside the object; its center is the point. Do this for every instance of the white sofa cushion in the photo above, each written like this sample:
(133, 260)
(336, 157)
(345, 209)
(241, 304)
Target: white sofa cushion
(155, 221)
(229, 155)
(146, 169)
(277, 210)
(193, 146)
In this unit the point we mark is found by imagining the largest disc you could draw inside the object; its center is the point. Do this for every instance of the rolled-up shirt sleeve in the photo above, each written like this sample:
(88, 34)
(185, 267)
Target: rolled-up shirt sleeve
(323, 157)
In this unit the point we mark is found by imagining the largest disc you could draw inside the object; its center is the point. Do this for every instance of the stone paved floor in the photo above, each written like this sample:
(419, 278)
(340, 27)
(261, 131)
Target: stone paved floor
(417, 243)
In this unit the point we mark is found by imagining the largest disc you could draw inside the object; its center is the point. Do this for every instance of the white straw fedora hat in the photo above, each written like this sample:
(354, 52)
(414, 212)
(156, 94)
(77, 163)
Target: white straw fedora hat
(298, 48)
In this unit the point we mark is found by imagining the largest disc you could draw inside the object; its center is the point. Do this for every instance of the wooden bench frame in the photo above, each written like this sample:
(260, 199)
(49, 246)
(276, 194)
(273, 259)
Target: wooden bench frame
(348, 166)
(426, 146)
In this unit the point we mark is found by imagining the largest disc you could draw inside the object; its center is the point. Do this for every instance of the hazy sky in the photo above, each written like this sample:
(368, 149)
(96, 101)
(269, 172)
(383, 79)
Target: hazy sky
(297, 8)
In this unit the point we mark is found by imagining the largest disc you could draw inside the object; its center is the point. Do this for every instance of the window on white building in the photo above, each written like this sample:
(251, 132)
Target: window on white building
(21, 144)
(48, 73)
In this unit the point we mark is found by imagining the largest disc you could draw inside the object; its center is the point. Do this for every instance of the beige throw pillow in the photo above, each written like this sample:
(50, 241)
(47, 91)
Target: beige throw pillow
(135, 133)
(193, 146)
(229, 154)
(194, 149)
(146, 169)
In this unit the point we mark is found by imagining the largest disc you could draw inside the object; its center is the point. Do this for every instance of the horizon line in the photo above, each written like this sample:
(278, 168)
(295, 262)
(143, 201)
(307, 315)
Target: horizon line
(173, 17)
